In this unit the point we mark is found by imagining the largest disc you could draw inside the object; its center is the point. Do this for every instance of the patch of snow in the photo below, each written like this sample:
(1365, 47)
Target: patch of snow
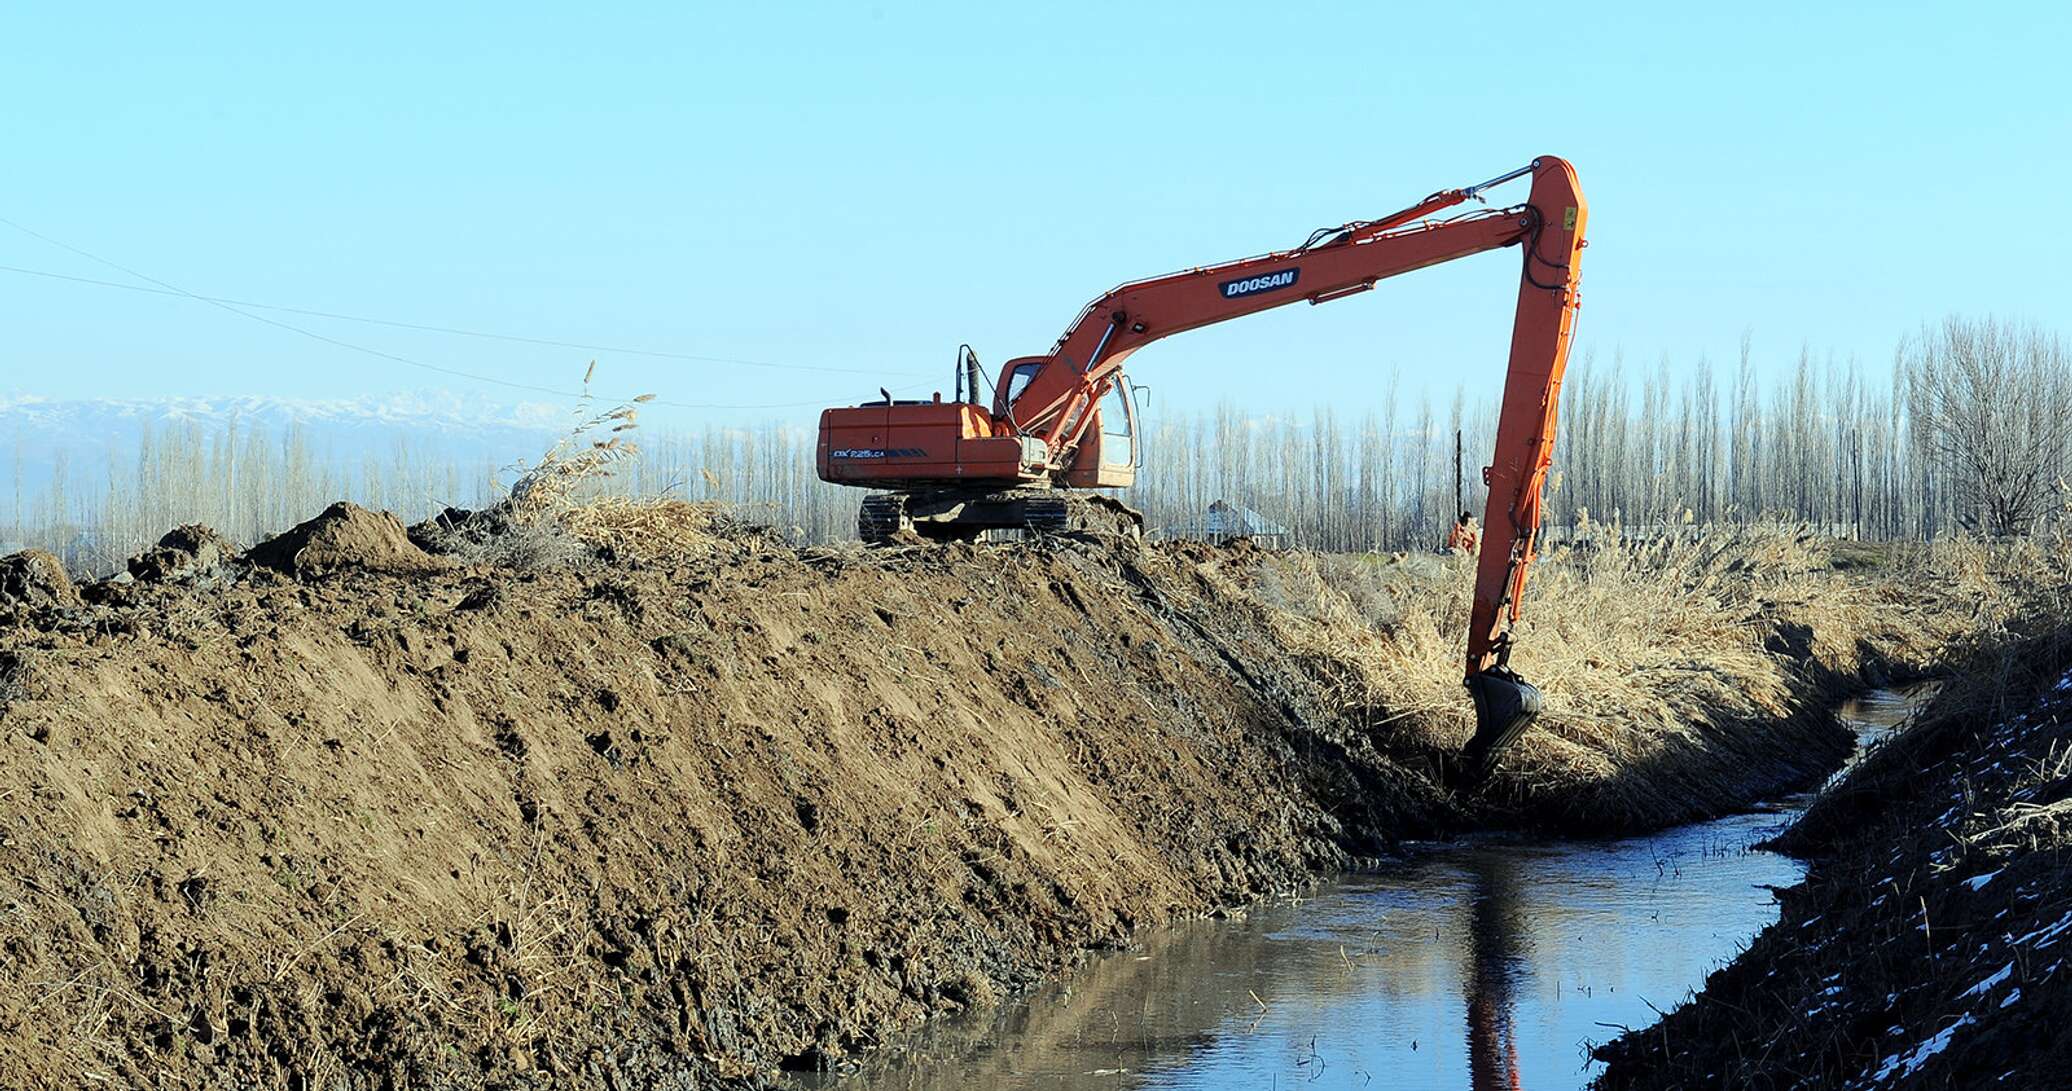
(1905, 1066)
(2012, 997)
(2044, 937)
(1977, 881)
(1986, 986)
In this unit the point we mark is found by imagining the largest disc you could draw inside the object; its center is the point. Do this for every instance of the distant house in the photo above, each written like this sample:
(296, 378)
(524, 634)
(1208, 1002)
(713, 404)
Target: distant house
(1225, 520)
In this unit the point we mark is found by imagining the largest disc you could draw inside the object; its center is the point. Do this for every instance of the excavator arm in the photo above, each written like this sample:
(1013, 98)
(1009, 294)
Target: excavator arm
(1056, 401)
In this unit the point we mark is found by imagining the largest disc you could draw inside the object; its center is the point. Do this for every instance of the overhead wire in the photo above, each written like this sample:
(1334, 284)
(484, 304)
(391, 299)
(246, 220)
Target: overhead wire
(236, 307)
(425, 328)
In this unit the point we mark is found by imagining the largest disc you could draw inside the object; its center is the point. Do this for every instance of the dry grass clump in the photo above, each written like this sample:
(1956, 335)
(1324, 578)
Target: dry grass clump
(1613, 632)
(577, 466)
(566, 508)
(650, 528)
(1636, 646)
(531, 527)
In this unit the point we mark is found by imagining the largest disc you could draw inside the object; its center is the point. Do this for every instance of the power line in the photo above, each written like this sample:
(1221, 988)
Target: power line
(234, 307)
(454, 330)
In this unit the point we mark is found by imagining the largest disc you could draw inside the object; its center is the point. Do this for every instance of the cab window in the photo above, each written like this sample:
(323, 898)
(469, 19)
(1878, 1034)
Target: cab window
(1023, 375)
(1118, 444)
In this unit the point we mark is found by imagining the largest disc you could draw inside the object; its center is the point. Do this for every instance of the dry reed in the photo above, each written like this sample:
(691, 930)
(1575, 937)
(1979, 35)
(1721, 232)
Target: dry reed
(535, 524)
(1670, 656)
(649, 529)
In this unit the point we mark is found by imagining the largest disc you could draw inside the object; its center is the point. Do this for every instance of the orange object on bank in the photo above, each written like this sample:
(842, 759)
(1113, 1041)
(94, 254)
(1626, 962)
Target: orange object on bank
(1066, 419)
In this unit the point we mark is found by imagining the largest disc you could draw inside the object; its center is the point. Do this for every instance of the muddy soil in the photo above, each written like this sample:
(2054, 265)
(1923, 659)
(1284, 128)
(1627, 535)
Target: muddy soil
(352, 815)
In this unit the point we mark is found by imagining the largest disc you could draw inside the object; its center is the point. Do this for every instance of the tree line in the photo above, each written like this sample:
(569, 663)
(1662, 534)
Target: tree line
(1968, 430)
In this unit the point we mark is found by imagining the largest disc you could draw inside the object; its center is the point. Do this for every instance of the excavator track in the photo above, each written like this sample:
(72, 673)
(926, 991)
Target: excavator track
(961, 516)
(882, 517)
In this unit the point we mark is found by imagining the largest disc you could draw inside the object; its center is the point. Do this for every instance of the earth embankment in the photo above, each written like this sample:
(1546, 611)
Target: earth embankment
(335, 813)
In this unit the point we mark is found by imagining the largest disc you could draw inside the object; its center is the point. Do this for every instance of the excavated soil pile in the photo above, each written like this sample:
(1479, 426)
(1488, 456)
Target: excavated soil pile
(354, 815)
(188, 552)
(660, 822)
(345, 536)
(34, 578)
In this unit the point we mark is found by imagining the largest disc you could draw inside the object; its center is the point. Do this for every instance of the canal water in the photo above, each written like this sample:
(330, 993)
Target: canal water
(1481, 964)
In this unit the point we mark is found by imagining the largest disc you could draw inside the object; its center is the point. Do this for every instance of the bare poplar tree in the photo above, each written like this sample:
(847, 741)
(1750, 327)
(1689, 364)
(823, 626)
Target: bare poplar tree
(1995, 404)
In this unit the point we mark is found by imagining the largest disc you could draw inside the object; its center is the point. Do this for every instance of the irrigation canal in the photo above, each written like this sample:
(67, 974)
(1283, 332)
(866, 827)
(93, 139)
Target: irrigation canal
(1481, 964)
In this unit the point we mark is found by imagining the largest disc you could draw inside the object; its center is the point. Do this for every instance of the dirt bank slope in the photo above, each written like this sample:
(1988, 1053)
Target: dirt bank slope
(1929, 946)
(659, 822)
(745, 808)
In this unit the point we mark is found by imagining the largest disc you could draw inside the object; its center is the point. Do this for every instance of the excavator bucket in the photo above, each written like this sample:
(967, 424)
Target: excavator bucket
(1505, 705)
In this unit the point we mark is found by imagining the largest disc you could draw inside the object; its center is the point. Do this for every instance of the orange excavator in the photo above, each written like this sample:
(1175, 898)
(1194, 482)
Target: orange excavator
(1066, 420)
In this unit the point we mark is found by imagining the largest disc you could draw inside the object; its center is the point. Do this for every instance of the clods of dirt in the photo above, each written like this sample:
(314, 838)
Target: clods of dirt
(35, 578)
(189, 552)
(345, 536)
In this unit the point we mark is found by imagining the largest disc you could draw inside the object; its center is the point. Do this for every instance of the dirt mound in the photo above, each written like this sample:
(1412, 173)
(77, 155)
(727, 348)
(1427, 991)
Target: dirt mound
(455, 529)
(187, 552)
(345, 536)
(35, 578)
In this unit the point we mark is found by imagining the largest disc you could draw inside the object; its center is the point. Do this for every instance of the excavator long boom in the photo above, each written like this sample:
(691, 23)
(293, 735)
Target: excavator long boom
(1056, 402)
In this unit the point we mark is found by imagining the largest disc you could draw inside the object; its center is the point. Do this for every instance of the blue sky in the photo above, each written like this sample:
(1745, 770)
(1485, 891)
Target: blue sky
(855, 187)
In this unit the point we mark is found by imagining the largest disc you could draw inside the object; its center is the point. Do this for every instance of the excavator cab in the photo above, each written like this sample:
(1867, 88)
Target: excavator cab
(1015, 377)
(1109, 455)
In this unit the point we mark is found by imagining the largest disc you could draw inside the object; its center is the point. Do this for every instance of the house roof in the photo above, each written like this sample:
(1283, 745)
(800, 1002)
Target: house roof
(1229, 520)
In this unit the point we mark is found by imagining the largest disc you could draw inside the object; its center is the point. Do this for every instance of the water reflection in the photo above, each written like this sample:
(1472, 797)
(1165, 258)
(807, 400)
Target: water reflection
(1496, 939)
(1487, 964)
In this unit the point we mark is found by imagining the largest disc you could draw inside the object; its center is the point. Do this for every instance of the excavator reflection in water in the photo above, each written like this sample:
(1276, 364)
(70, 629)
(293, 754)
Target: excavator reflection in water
(1497, 950)
(1065, 420)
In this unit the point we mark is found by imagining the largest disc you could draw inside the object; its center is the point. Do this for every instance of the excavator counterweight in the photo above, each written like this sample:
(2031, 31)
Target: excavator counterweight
(1065, 420)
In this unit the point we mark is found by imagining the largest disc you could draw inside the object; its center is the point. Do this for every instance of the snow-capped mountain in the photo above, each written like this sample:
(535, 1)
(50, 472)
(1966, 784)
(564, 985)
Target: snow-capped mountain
(409, 410)
(35, 431)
